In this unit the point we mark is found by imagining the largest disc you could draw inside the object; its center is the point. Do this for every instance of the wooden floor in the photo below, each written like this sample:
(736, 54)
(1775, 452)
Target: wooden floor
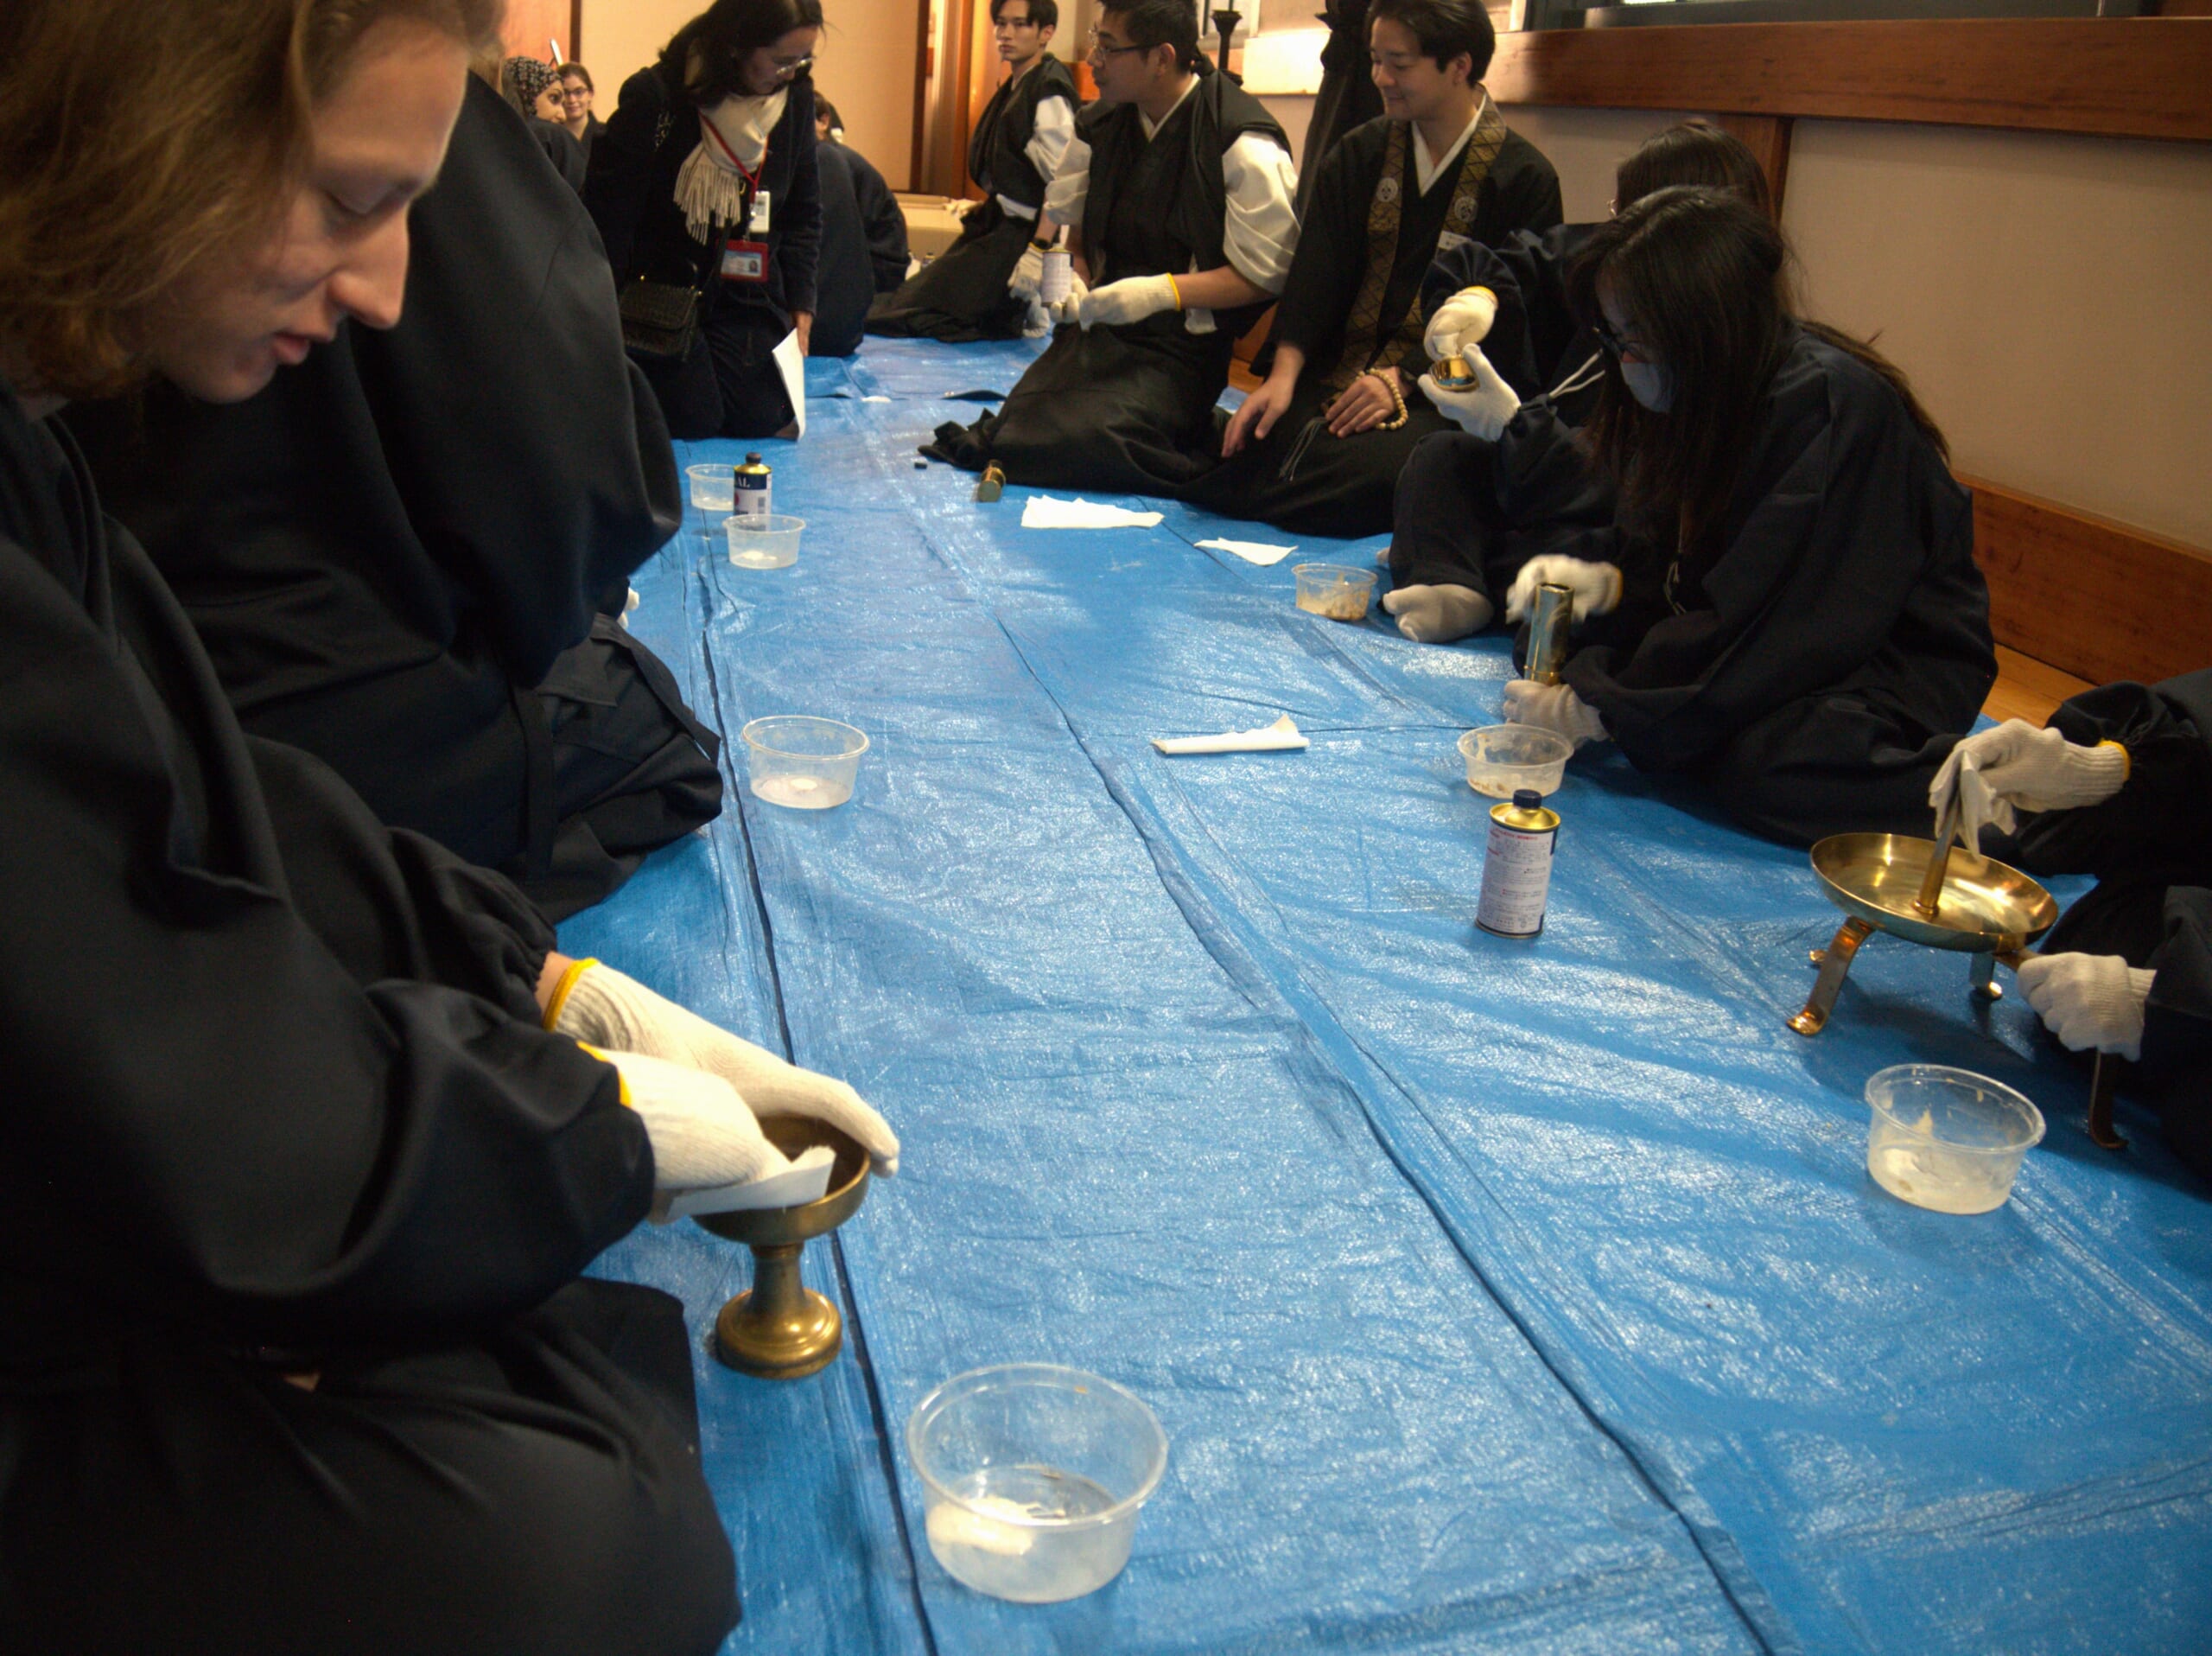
(2026, 689)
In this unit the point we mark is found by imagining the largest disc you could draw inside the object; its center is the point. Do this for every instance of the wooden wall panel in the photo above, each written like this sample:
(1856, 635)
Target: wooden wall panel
(2091, 597)
(2138, 77)
(1767, 136)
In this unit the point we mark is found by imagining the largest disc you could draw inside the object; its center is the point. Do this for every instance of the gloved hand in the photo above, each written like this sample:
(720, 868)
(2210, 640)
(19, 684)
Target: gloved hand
(1069, 309)
(1130, 300)
(703, 1134)
(599, 1005)
(1553, 707)
(1597, 586)
(1028, 273)
(2016, 764)
(1485, 408)
(1460, 323)
(2089, 1000)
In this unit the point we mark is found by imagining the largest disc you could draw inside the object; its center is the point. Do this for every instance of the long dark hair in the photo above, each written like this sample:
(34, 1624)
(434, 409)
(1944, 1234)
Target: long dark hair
(1700, 274)
(1695, 151)
(724, 35)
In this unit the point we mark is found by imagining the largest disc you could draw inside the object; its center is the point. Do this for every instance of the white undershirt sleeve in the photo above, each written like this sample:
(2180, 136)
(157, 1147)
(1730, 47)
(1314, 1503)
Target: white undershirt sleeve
(1070, 185)
(1261, 230)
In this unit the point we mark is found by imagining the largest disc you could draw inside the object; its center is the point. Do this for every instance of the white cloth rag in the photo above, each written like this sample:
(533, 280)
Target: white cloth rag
(1269, 738)
(1252, 552)
(808, 1181)
(1044, 511)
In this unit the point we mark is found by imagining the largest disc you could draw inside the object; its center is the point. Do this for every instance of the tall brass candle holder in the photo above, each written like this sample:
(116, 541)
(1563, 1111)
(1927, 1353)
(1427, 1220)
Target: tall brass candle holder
(780, 1329)
(1551, 621)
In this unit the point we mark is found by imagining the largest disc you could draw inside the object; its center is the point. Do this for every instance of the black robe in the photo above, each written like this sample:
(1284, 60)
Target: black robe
(1821, 663)
(729, 385)
(1130, 409)
(863, 249)
(387, 549)
(1348, 98)
(961, 294)
(278, 1101)
(1301, 478)
(2150, 846)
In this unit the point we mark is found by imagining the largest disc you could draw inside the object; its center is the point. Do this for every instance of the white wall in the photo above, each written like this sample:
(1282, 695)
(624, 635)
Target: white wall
(865, 65)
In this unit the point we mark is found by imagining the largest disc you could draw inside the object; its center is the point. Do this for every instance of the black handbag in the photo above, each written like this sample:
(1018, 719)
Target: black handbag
(660, 319)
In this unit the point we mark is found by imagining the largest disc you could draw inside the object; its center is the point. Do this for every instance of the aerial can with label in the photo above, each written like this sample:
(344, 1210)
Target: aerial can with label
(1517, 868)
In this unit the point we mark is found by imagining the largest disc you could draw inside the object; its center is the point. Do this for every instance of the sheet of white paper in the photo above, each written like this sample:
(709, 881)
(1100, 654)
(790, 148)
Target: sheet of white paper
(875, 399)
(1044, 512)
(792, 365)
(1252, 552)
(1269, 738)
(807, 1181)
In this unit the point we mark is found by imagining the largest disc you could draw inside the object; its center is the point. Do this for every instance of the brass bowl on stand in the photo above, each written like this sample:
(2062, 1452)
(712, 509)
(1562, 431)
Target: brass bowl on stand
(780, 1329)
(1978, 906)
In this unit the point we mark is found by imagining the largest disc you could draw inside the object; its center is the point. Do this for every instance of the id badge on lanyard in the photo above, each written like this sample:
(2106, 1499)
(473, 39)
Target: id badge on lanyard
(745, 257)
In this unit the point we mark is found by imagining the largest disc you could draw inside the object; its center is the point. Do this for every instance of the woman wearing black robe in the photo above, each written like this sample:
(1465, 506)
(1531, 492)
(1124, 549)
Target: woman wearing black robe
(293, 1353)
(2120, 786)
(679, 191)
(961, 294)
(863, 247)
(1777, 569)
(367, 595)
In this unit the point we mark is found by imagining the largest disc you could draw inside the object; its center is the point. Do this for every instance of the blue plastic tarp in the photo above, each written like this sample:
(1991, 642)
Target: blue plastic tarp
(1495, 1296)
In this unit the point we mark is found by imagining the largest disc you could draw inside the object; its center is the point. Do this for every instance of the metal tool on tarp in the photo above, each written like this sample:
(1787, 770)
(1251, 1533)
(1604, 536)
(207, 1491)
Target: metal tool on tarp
(780, 1329)
(1929, 893)
(993, 483)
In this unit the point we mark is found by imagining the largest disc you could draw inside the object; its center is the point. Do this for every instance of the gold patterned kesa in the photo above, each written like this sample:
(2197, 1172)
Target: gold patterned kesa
(1365, 350)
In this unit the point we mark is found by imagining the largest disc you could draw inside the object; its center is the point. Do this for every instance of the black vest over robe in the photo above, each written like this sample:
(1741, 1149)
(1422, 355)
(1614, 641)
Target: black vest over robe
(998, 154)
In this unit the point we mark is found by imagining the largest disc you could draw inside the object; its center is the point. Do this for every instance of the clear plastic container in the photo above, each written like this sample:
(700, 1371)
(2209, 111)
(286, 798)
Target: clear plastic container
(714, 488)
(1336, 590)
(1503, 759)
(1031, 1477)
(1946, 1139)
(806, 763)
(769, 542)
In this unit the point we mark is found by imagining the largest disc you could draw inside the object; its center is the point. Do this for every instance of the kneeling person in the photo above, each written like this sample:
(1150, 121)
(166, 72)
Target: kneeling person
(1317, 449)
(1180, 185)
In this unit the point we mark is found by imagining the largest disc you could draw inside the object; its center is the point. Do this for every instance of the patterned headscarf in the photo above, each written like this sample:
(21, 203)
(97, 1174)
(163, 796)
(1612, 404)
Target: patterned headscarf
(526, 79)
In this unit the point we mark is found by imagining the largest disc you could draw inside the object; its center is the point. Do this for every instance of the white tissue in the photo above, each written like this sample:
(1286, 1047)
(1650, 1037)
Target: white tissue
(1269, 738)
(808, 1181)
(1252, 552)
(1043, 511)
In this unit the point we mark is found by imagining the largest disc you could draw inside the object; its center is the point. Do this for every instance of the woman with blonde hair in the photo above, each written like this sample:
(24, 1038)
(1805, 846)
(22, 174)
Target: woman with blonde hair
(302, 1155)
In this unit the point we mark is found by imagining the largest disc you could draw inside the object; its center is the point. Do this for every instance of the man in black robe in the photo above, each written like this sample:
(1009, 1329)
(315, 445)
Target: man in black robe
(1017, 146)
(395, 553)
(863, 239)
(2120, 786)
(1317, 449)
(1182, 187)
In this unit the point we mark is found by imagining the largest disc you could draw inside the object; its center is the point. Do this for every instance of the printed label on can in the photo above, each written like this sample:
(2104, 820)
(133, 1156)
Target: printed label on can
(752, 493)
(1058, 276)
(1517, 878)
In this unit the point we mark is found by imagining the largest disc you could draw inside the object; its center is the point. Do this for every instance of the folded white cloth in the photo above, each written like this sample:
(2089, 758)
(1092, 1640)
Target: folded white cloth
(808, 1181)
(1252, 552)
(1269, 738)
(1044, 511)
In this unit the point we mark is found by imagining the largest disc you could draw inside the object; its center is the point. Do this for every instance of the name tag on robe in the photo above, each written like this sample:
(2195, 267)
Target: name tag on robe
(744, 261)
(1448, 241)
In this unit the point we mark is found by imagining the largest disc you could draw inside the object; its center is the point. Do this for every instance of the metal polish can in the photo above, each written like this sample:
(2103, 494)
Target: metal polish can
(751, 491)
(1517, 868)
(1058, 275)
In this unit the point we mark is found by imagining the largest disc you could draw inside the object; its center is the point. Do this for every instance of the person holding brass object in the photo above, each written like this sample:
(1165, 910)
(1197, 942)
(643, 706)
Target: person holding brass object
(2117, 784)
(1777, 595)
(1316, 449)
(1501, 332)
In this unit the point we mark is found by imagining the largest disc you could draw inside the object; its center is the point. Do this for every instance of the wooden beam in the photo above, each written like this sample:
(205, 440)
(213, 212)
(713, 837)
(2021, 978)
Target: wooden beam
(2131, 77)
(2092, 597)
(1767, 136)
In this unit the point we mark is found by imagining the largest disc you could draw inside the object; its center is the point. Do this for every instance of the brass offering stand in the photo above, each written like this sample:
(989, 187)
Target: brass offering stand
(780, 1329)
(1925, 892)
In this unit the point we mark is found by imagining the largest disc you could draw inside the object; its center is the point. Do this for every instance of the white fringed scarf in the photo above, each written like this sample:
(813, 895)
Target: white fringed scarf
(708, 187)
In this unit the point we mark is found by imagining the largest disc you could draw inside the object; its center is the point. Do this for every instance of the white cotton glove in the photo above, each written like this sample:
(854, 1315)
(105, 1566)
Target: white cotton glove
(2089, 1000)
(599, 1005)
(1597, 586)
(1037, 321)
(1461, 322)
(1028, 274)
(1482, 410)
(2017, 765)
(1553, 707)
(702, 1135)
(1069, 309)
(1130, 300)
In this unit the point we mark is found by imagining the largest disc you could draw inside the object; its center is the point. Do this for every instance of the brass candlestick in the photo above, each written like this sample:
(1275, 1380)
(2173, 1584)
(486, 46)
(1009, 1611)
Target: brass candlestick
(1551, 618)
(780, 1329)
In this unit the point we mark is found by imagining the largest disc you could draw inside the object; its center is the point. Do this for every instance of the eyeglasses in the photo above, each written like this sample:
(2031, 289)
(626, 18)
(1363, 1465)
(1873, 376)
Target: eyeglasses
(1618, 346)
(1099, 49)
(791, 68)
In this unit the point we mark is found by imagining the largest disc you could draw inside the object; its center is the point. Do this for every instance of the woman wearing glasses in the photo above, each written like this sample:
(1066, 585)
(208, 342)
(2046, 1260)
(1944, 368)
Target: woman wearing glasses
(1772, 567)
(704, 183)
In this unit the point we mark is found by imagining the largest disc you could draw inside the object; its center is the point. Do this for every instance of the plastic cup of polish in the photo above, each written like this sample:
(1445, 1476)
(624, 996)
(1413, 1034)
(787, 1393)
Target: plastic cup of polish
(809, 764)
(769, 542)
(714, 488)
(1336, 590)
(1033, 1475)
(1946, 1139)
